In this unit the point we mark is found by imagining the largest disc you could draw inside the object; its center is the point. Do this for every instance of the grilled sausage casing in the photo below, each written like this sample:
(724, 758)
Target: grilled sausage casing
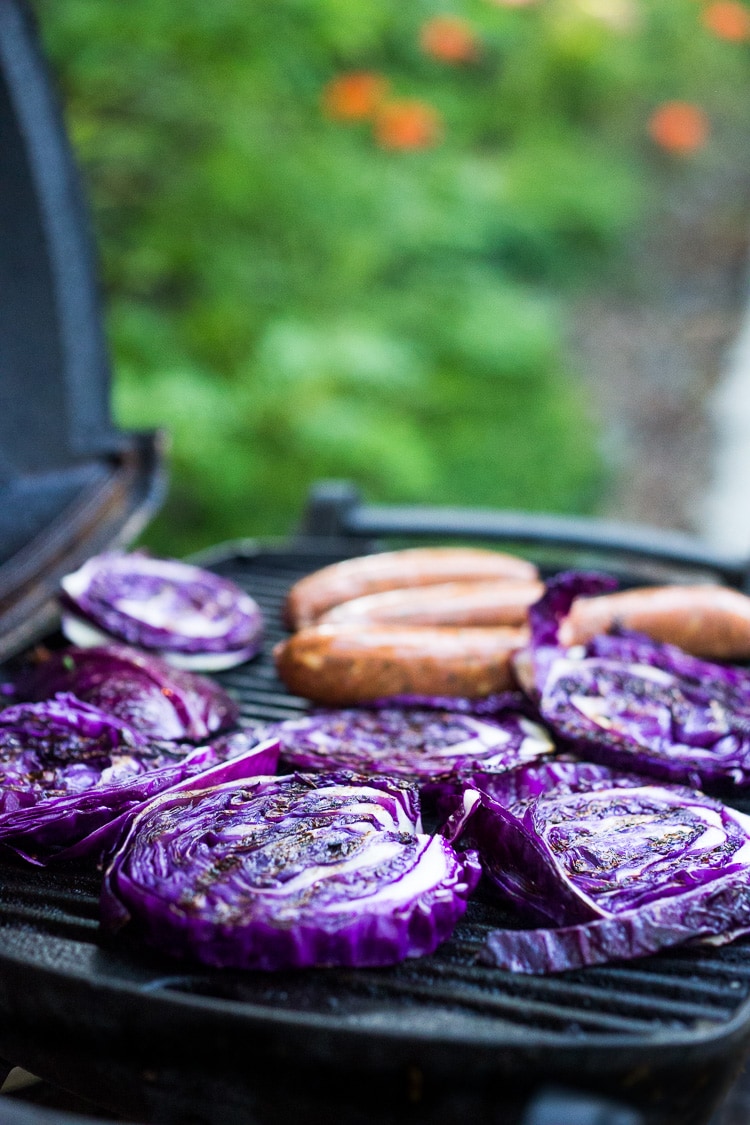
(315, 594)
(504, 602)
(346, 664)
(712, 622)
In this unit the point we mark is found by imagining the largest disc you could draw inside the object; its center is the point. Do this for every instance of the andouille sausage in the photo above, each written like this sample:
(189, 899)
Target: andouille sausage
(502, 602)
(345, 664)
(708, 621)
(390, 570)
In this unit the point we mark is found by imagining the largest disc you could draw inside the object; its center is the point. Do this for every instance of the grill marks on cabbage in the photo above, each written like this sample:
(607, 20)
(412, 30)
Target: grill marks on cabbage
(277, 851)
(289, 872)
(666, 723)
(605, 843)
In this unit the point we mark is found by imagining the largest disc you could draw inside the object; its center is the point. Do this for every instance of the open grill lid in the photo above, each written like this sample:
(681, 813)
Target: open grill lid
(71, 484)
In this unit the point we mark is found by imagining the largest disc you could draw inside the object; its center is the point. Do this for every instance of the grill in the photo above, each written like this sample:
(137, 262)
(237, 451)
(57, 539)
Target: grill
(432, 1040)
(436, 1040)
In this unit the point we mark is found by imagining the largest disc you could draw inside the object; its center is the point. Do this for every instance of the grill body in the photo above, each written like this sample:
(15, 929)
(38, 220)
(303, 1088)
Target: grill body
(435, 1039)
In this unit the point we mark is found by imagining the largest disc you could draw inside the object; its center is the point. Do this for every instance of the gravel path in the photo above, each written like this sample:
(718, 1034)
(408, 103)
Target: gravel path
(668, 386)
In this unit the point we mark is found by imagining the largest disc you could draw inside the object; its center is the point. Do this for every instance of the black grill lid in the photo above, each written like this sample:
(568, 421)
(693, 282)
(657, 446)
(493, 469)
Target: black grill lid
(70, 482)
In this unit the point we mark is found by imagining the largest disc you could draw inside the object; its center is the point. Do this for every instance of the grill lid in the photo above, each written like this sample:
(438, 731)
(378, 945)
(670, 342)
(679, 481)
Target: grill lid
(71, 484)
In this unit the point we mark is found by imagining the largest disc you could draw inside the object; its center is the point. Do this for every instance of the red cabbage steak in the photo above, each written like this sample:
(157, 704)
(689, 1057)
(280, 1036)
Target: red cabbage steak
(288, 872)
(157, 700)
(622, 867)
(190, 616)
(426, 745)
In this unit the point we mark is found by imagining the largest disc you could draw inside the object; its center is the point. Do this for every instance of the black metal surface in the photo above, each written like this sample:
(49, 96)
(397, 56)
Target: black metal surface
(433, 1039)
(71, 484)
(54, 371)
(336, 510)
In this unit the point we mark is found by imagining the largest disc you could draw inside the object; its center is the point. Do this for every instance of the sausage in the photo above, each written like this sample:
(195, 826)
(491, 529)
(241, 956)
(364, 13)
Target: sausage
(345, 664)
(391, 570)
(504, 602)
(712, 622)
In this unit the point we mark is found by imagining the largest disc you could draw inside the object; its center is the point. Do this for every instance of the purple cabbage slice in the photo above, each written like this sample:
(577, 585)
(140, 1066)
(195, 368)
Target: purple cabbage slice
(727, 680)
(157, 700)
(62, 746)
(545, 616)
(498, 703)
(518, 788)
(288, 872)
(641, 717)
(243, 753)
(637, 704)
(418, 743)
(70, 772)
(621, 867)
(720, 909)
(190, 616)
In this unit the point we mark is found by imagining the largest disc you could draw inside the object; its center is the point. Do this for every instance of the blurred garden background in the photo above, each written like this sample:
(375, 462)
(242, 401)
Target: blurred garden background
(381, 240)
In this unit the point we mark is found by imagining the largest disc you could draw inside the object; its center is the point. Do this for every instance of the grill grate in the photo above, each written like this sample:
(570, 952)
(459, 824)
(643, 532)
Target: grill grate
(55, 969)
(672, 990)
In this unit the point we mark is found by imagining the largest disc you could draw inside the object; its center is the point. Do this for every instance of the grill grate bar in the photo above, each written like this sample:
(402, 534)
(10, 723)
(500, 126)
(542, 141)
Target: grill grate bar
(712, 967)
(528, 1011)
(69, 904)
(268, 713)
(650, 981)
(263, 697)
(53, 920)
(614, 981)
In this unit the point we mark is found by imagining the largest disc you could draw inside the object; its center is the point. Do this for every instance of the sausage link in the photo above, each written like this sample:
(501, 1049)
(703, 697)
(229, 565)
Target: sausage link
(449, 603)
(712, 622)
(345, 664)
(391, 570)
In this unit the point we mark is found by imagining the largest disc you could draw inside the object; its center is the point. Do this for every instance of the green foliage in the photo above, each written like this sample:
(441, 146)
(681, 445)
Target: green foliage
(291, 299)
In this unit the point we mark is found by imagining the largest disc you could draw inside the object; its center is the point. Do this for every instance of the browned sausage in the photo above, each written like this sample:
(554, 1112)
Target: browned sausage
(391, 570)
(346, 664)
(504, 602)
(708, 621)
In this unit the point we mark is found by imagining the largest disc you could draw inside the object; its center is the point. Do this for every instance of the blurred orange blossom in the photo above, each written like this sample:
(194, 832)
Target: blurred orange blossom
(407, 124)
(728, 19)
(679, 127)
(449, 39)
(354, 96)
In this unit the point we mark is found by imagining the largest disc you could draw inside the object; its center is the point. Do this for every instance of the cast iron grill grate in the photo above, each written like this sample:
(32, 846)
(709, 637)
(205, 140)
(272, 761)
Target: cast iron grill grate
(57, 972)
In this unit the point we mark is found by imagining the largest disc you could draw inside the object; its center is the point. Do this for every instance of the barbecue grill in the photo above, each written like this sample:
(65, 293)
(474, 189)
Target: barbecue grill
(435, 1040)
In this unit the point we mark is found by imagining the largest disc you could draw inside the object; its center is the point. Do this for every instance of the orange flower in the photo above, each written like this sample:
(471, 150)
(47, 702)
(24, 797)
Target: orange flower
(449, 39)
(728, 19)
(407, 124)
(354, 96)
(679, 127)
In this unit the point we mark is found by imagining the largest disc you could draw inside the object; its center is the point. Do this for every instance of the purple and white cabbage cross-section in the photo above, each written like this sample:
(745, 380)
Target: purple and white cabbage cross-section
(71, 772)
(157, 700)
(288, 872)
(190, 616)
(621, 866)
(426, 743)
(631, 702)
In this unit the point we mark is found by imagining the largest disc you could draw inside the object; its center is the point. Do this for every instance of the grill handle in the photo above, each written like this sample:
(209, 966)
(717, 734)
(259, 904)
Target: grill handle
(335, 511)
